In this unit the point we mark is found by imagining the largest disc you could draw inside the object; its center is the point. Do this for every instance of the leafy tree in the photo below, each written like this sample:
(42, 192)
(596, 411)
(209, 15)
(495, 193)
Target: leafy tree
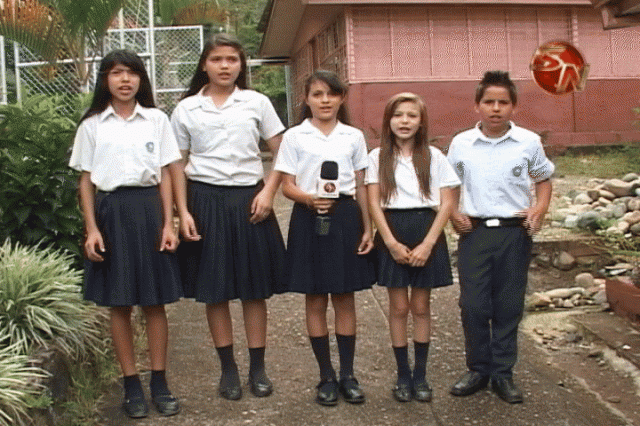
(59, 29)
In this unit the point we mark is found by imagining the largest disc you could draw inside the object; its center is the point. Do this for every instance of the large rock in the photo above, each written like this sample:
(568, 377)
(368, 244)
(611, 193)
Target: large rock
(604, 202)
(600, 297)
(613, 230)
(630, 177)
(617, 210)
(606, 194)
(618, 187)
(635, 229)
(590, 220)
(632, 217)
(564, 293)
(623, 226)
(582, 198)
(537, 300)
(594, 194)
(564, 261)
(634, 204)
(585, 280)
(570, 221)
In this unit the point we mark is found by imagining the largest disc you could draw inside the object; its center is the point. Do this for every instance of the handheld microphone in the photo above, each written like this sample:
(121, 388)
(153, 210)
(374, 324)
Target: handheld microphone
(327, 188)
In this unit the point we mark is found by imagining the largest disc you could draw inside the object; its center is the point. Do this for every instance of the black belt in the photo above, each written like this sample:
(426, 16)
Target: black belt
(496, 222)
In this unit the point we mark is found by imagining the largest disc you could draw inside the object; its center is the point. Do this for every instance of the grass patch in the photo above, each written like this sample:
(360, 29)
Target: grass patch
(602, 162)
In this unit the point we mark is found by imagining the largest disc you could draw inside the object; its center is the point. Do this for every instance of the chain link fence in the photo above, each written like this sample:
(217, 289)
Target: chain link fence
(170, 55)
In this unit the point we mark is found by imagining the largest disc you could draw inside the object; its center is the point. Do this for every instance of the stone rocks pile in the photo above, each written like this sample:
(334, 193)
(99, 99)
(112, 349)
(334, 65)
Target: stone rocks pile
(612, 205)
(588, 291)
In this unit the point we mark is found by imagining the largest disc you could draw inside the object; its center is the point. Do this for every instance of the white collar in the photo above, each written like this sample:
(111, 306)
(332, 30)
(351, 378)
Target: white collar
(137, 110)
(307, 127)
(478, 135)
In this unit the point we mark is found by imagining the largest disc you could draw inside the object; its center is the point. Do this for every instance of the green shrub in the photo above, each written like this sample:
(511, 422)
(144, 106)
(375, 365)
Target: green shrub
(38, 197)
(41, 304)
(18, 386)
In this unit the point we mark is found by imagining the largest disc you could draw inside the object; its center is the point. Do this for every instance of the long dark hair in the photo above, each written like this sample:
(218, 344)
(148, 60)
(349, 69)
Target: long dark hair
(101, 94)
(389, 150)
(336, 86)
(200, 77)
(500, 79)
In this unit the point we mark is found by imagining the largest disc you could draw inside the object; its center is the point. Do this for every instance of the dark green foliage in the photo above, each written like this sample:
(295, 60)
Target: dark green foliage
(38, 197)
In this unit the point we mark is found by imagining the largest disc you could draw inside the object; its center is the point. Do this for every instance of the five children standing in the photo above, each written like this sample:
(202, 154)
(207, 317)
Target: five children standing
(232, 246)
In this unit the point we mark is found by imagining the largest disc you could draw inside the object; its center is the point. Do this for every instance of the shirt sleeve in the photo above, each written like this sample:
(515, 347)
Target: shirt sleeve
(540, 167)
(287, 159)
(84, 146)
(360, 159)
(270, 124)
(452, 157)
(169, 151)
(446, 174)
(372, 170)
(182, 135)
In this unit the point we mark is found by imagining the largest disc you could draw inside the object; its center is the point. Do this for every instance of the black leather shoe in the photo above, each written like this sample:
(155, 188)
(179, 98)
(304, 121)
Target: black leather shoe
(507, 390)
(230, 390)
(327, 392)
(261, 386)
(469, 384)
(402, 392)
(350, 390)
(136, 407)
(422, 391)
(167, 404)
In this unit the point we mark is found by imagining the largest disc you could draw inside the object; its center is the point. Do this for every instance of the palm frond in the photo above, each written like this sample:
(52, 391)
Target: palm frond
(32, 24)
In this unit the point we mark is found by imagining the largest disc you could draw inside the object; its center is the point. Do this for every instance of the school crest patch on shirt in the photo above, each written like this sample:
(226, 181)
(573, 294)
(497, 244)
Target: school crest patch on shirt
(150, 146)
(517, 171)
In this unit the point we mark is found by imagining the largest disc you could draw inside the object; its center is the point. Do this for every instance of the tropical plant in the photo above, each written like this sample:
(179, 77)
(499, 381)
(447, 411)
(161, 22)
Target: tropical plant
(40, 302)
(38, 202)
(59, 29)
(191, 12)
(18, 385)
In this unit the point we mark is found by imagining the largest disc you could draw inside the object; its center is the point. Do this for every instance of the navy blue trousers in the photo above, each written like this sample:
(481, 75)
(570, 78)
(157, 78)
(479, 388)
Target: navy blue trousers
(493, 265)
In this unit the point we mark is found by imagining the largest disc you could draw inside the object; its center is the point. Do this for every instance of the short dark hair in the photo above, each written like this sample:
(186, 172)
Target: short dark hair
(102, 95)
(497, 78)
(337, 87)
(201, 78)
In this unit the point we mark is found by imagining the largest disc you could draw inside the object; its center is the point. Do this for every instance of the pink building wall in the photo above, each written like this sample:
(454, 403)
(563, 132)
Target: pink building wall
(441, 51)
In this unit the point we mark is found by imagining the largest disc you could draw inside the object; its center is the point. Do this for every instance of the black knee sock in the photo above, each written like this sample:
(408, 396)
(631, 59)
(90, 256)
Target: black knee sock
(402, 360)
(420, 368)
(158, 383)
(256, 362)
(346, 349)
(320, 346)
(228, 366)
(132, 387)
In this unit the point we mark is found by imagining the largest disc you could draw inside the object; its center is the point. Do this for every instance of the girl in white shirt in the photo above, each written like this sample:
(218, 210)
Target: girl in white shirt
(407, 179)
(233, 246)
(123, 147)
(334, 263)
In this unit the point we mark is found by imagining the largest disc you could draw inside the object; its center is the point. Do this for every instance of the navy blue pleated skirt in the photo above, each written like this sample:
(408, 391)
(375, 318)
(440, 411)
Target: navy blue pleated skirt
(327, 264)
(234, 259)
(134, 272)
(410, 226)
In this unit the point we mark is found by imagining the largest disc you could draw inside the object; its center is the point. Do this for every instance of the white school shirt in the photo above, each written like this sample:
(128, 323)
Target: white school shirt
(124, 152)
(408, 194)
(497, 173)
(304, 148)
(223, 142)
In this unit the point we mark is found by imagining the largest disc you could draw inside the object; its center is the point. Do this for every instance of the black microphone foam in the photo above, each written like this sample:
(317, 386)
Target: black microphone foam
(329, 170)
